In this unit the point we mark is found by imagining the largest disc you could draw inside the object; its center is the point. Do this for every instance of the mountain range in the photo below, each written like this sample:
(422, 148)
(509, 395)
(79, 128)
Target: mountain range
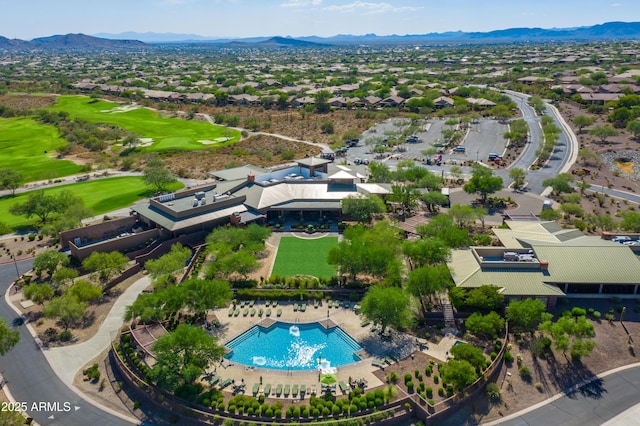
(71, 42)
(609, 30)
(132, 40)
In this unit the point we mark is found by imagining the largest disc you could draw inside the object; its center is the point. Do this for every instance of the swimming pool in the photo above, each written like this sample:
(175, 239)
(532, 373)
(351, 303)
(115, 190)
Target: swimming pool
(284, 346)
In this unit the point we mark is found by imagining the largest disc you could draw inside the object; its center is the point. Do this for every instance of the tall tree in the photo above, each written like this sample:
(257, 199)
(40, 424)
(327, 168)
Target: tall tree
(518, 175)
(167, 265)
(387, 306)
(84, 291)
(372, 251)
(525, 315)
(66, 309)
(182, 356)
(460, 373)
(443, 228)
(573, 334)
(633, 127)
(63, 206)
(322, 102)
(582, 121)
(38, 204)
(426, 281)
(483, 182)
(49, 261)
(434, 200)
(106, 265)
(203, 295)
(603, 132)
(559, 184)
(9, 337)
(10, 179)
(470, 353)
(426, 251)
(404, 195)
(157, 174)
(585, 154)
(630, 221)
(362, 209)
(489, 325)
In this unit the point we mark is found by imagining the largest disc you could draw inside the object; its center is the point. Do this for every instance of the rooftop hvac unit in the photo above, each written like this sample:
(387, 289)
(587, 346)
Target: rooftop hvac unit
(510, 256)
(167, 197)
(203, 202)
(199, 195)
(195, 202)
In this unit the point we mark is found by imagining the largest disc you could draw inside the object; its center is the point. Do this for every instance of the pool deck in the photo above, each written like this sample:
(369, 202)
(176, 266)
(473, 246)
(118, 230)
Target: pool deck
(344, 317)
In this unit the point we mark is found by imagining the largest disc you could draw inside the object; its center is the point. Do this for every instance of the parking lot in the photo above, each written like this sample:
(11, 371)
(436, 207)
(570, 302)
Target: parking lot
(481, 139)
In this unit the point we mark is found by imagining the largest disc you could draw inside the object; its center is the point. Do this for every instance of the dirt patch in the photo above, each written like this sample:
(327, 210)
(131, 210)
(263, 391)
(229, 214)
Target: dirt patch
(553, 373)
(601, 173)
(22, 247)
(87, 326)
(109, 390)
(22, 102)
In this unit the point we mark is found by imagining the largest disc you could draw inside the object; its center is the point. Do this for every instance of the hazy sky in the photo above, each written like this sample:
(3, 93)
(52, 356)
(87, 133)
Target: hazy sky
(27, 19)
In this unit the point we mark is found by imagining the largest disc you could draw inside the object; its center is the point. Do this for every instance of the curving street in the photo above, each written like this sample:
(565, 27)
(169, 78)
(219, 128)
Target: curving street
(604, 399)
(563, 156)
(31, 379)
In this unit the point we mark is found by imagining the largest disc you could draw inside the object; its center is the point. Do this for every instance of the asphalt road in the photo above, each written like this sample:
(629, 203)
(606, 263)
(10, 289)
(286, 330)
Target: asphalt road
(32, 381)
(590, 405)
(558, 159)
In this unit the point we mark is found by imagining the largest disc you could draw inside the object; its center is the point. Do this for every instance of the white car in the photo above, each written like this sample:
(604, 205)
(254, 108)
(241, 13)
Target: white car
(620, 239)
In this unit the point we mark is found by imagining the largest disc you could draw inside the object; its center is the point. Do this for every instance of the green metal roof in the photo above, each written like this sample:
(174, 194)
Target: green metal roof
(614, 264)
(514, 282)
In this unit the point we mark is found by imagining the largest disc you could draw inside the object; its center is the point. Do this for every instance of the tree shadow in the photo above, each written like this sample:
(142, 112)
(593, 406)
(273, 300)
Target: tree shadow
(574, 377)
(88, 319)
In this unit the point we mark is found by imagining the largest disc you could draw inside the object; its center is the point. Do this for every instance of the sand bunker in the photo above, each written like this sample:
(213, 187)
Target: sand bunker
(144, 142)
(121, 108)
(211, 142)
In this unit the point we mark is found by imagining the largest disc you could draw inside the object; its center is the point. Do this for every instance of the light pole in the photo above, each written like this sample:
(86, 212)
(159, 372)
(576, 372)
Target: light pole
(477, 155)
(15, 263)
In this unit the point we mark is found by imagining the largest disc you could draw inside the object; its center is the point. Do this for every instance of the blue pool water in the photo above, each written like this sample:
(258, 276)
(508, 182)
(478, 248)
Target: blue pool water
(285, 346)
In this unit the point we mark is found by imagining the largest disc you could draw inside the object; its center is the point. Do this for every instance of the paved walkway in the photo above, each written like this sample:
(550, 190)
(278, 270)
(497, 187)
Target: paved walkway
(68, 360)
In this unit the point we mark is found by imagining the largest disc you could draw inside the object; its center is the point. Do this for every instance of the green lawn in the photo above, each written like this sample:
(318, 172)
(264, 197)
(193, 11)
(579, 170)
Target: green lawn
(167, 133)
(27, 146)
(100, 195)
(306, 257)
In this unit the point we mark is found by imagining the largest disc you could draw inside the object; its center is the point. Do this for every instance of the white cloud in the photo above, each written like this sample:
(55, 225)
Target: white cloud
(301, 3)
(370, 8)
(616, 5)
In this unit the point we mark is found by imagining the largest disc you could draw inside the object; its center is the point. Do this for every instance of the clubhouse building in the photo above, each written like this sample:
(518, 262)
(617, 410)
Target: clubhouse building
(309, 190)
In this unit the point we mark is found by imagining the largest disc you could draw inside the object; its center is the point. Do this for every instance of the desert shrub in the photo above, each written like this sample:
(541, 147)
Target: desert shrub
(507, 357)
(493, 392)
(429, 392)
(578, 312)
(525, 372)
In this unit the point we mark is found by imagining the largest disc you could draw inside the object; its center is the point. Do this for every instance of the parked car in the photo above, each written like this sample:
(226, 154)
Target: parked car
(621, 239)
(459, 149)
(412, 139)
(493, 156)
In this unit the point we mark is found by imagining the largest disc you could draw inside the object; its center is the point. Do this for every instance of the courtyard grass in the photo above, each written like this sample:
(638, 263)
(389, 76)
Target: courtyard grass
(166, 133)
(297, 256)
(100, 195)
(26, 146)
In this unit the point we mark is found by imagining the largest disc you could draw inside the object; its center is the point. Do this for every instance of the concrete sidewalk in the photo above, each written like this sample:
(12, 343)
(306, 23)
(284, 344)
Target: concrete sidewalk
(68, 360)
